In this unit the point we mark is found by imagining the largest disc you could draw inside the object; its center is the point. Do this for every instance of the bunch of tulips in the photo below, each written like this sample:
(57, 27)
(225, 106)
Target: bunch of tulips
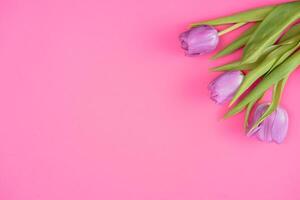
(270, 54)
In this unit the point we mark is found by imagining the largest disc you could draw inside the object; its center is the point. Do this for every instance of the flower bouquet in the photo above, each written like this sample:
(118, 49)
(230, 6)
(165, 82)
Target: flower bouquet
(270, 54)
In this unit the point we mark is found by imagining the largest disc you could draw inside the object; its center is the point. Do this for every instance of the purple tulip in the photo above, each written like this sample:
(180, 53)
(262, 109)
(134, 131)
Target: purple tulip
(273, 128)
(199, 40)
(224, 86)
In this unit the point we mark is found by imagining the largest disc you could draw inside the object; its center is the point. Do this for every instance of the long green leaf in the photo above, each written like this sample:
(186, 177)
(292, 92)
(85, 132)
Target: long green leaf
(233, 67)
(284, 57)
(292, 36)
(260, 70)
(275, 76)
(270, 29)
(236, 44)
(291, 33)
(238, 65)
(253, 15)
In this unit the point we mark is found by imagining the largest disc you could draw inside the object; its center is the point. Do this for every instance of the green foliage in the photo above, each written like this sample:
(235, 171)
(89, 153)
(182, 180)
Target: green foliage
(270, 54)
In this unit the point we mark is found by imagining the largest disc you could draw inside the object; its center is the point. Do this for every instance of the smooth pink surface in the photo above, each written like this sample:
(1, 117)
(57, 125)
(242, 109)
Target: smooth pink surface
(99, 102)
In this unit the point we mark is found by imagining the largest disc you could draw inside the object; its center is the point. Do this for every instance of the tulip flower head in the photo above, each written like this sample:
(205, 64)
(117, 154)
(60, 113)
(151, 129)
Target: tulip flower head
(274, 128)
(224, 86)
(199, 40)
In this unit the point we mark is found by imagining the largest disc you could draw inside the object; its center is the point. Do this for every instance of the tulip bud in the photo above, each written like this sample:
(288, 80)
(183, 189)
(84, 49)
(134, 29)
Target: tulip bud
(224, 86)
(274, 128)
(199, 40)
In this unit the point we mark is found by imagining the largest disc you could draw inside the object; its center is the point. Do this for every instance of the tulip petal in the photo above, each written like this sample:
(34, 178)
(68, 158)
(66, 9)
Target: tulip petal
(224, 86)
(280, 128)
(274, 128)
(200, 40)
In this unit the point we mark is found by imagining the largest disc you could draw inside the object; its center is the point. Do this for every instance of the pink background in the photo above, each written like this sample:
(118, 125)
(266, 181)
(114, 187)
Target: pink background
(99, 102)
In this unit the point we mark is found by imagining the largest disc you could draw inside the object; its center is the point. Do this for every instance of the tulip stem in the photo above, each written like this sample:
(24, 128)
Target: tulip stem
(231, 28)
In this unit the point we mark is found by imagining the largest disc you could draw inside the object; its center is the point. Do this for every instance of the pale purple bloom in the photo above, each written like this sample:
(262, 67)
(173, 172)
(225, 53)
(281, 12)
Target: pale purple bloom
(274, 128)
(199, 40)
(224, 86)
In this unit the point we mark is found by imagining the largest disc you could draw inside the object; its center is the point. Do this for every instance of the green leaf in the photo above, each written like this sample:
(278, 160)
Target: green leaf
(238, 65)
(260, 70)
(253, 15)
(232, 67)
(243, 39)
(274, 77)
(292, 36)
(270, 29)
(290, 40)
(236, 44)
(291, 33)
(284, 56)
(277, 92)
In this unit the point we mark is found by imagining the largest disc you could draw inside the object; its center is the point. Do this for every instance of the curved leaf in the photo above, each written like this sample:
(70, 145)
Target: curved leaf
(253, 15)
(270, 29)
(237, 43)
(274, 77)
(292, 32)
(238, 65)
(260, 70)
